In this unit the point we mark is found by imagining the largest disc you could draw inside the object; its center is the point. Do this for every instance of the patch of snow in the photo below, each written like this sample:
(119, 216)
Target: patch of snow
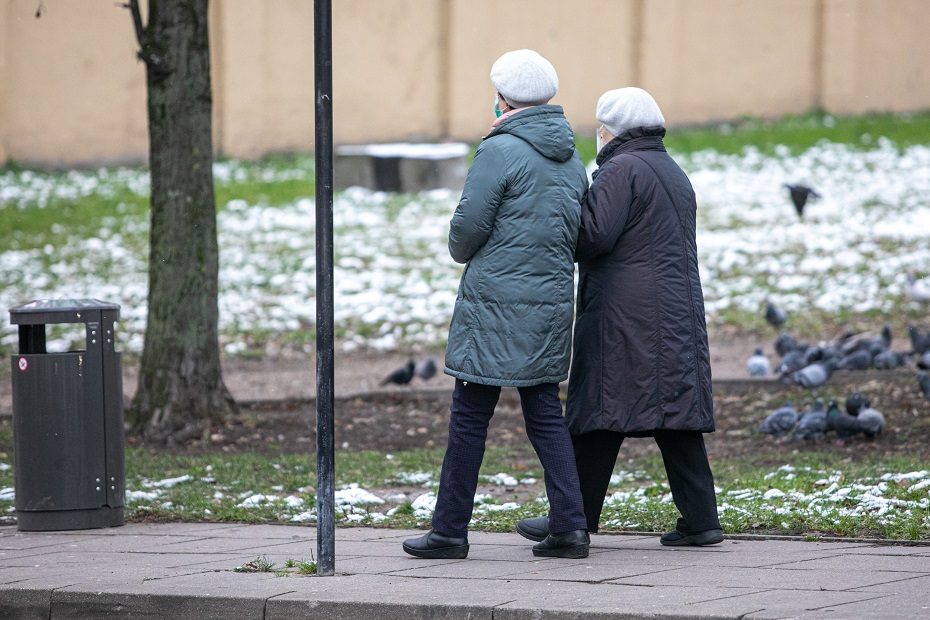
(167, 483)
(502, 479)
(353, 495)
(416, 477)
(136, 496)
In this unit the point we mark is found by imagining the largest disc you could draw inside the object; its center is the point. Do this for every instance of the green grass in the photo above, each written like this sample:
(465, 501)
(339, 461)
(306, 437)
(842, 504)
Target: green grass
(796, 132)
(267, 181)
(220, 482)
(37, 227)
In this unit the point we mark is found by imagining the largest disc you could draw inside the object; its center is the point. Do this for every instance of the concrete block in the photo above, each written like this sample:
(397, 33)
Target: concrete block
(401, 167)
(26, 604)
(82, 604)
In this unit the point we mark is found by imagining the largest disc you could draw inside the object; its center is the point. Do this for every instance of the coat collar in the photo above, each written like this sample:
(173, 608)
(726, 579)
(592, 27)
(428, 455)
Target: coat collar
(636, 139)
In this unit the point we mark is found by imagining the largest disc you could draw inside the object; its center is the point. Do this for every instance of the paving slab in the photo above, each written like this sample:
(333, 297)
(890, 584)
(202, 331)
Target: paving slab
(776, 604)
(907, 563)
(764, 578)
(913, 587)
(878, 607)
(186, 571)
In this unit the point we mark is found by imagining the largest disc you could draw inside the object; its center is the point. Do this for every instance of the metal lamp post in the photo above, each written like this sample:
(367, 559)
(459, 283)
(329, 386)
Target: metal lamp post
(325, 457)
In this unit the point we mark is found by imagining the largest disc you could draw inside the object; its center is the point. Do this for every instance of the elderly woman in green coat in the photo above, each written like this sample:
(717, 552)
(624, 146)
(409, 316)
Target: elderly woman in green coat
(515, 229)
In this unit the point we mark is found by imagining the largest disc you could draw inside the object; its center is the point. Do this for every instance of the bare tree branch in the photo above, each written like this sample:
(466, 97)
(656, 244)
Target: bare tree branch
(153, 61)
(133, 6)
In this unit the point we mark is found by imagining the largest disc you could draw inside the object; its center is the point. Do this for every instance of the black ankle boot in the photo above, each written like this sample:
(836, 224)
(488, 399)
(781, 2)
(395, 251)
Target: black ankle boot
(436, 546)
(698, 539)
(572, 544)
(535, 529)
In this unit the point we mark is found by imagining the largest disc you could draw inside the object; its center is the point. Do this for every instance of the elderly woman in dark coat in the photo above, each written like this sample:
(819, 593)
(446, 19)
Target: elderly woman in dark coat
(641, 366)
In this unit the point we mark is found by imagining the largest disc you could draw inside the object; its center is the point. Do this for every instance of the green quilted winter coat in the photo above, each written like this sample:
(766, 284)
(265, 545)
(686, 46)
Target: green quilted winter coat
(515, 229)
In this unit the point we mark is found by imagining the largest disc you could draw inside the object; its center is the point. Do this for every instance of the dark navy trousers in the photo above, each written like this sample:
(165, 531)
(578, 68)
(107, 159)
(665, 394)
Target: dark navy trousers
(689, 476)
(472, 407)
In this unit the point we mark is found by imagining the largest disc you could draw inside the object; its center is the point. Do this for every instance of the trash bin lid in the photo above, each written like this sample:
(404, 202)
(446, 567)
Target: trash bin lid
(41, 311)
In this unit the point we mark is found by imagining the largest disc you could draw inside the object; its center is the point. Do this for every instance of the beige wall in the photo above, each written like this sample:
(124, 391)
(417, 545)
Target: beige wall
(70, 86)
(592, 52)
(876, 55)
(722, 58)
(72, 91)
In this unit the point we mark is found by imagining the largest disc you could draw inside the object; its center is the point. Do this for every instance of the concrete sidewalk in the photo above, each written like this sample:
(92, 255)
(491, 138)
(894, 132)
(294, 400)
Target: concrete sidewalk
(186, 571)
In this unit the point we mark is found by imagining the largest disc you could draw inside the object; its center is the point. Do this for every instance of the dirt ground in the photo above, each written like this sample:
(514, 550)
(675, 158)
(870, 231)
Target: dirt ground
(278, 411)
(294, 377)
(417, 418)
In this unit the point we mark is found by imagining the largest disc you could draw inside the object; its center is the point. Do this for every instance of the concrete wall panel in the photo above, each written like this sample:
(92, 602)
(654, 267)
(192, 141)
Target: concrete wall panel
(717, 59)
(72, 90)
(72, 87)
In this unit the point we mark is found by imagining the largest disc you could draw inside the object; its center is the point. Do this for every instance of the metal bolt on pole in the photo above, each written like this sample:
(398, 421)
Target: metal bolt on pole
(325, 457)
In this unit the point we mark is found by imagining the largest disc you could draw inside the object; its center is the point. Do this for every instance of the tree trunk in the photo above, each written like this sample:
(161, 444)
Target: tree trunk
(181, 390)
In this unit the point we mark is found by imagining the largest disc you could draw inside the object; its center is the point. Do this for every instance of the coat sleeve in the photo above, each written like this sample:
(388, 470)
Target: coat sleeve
(474, 216)
(605, 209)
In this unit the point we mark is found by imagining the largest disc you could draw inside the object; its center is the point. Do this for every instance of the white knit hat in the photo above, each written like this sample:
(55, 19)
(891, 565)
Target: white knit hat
(524, 77)
(625, 108)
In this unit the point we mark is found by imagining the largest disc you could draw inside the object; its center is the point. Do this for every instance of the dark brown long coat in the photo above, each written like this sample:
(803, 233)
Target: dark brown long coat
(640, 360)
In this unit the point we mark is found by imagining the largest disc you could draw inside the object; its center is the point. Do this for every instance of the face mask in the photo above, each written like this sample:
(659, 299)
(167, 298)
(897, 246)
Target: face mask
(497, 109)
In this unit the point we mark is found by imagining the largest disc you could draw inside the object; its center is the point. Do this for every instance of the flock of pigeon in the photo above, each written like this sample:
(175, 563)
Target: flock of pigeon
(811, 365)
(425, 370)
(814, 423)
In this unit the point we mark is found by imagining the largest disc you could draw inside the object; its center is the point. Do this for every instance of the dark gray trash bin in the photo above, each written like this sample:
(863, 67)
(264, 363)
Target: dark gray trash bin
(67, 420)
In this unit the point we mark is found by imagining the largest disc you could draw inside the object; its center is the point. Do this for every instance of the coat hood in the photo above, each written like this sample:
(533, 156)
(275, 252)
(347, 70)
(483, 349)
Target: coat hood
(543, 127)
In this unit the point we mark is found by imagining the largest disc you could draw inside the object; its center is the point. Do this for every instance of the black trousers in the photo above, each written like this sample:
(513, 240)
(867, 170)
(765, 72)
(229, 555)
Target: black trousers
(472, 407)
(686, 464)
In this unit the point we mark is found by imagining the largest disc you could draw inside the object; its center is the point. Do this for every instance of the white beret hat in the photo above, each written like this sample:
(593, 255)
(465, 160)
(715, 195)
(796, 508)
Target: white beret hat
(524, 77)
(623, 109)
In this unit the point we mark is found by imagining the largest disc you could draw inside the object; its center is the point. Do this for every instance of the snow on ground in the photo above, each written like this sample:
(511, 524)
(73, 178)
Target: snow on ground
(801, 492)
(396, 284)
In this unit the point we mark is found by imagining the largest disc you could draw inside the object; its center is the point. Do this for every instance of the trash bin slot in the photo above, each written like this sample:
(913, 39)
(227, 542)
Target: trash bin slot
(61, 338)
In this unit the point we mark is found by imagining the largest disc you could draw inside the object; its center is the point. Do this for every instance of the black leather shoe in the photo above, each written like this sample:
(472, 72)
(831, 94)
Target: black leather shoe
(535, 529)
(436, 546)
(699, 539)
(572, 544)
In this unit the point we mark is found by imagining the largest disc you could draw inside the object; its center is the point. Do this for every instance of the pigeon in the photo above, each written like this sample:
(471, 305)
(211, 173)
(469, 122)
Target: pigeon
(918, 290)
(868, 341)
(923, 379)
(814, 375)
(924, 361)
(858, 360)
(758, 365)
(774, 315)
(800, 194)
(871, 422)
(792, 362)
(855, 403)
(402, 375)
(886, 336)
(780, 422)
(920, 344)
(844, 424)
(785, 343)
(813, 354)
(889, 360)
(813, 422)
(427, 369)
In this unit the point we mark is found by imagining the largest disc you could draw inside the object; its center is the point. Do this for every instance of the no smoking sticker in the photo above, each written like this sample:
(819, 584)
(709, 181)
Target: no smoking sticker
(23, 364)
